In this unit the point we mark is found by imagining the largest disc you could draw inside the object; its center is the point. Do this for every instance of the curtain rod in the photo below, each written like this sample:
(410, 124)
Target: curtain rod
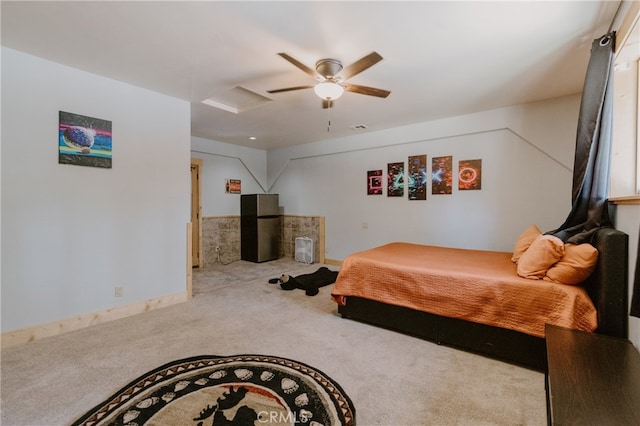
(615, 16)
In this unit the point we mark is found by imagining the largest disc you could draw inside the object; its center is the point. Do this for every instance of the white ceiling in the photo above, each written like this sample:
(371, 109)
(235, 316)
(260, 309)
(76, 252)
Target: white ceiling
(441, 59)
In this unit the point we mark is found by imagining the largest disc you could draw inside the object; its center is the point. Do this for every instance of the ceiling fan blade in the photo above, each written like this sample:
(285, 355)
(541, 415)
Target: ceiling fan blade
(364, 90)
(327, 104)
(289, 89)
(360, 65)
(300, 65)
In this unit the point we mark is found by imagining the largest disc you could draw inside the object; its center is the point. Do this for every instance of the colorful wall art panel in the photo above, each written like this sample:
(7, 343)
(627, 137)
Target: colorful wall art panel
(374, 182)
(441, 175)
(469, 174)
(84, 141)
(417, 177)
(395, 179)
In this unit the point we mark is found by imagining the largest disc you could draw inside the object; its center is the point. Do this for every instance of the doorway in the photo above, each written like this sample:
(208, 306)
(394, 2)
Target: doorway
(196, 213)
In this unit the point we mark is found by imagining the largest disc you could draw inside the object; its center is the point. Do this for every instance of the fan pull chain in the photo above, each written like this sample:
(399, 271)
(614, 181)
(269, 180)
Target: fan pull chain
(329, 117)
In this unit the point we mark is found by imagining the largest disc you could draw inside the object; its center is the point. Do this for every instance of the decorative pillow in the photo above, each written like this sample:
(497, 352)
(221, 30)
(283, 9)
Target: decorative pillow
(524, 241)
(543, 252)
(575, 266)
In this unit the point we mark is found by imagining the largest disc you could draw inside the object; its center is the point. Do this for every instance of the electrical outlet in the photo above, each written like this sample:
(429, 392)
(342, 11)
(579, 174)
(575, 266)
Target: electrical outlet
(119, 291)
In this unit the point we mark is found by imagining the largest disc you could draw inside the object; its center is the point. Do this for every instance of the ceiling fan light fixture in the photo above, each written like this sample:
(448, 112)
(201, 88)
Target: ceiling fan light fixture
(328, 90)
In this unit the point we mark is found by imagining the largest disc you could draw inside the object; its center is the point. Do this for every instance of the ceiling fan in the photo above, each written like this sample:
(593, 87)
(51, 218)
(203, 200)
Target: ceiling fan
(331, 76)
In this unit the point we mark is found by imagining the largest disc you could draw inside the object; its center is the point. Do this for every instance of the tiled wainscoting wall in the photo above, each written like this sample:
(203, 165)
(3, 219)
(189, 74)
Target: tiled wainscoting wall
(224, 232)
(293, 227)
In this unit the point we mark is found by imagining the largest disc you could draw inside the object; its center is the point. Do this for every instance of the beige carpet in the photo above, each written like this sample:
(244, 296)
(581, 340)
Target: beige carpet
(392, 379)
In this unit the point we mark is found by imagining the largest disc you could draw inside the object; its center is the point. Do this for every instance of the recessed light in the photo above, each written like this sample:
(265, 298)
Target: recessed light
(252, 138)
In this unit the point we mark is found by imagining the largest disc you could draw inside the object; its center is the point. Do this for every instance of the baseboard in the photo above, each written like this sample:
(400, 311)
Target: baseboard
(332, 262)
(55, 328)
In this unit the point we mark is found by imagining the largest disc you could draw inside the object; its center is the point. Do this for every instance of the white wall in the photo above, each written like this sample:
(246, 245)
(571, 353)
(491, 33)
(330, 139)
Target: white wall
(70, 234)
(221, 161)
(628, 220)
(526, 152)
(625, 160)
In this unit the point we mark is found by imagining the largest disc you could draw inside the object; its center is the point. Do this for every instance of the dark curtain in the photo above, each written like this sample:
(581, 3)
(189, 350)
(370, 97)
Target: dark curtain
(635, 300)
(589, 209)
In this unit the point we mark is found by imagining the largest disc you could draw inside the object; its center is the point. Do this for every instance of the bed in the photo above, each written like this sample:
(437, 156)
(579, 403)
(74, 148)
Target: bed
(475, 300)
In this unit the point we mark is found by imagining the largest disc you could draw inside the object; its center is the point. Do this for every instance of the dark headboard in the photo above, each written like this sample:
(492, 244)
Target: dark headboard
(608, 285)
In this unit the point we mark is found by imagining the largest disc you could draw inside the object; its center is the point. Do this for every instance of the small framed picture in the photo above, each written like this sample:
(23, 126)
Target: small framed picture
(84, 141)
(233, 186)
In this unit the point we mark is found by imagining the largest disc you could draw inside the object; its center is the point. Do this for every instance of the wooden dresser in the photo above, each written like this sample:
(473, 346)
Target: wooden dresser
(592, 379)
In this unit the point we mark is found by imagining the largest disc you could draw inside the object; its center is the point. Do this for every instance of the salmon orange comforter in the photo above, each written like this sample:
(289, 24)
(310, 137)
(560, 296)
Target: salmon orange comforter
(473, 285)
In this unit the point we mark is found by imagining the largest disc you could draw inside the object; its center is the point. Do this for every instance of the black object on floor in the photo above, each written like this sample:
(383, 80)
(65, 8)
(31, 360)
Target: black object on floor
(310, 283)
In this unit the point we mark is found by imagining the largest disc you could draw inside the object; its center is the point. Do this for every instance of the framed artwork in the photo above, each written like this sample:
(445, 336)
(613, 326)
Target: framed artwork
(417, 177)
(441, 175)
(469, 175)
(233, 186)
(395, 179)
(84, 141)
(374, 182)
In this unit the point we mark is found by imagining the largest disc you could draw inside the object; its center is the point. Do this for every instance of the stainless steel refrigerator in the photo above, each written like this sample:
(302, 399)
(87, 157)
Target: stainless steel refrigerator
(259, 227)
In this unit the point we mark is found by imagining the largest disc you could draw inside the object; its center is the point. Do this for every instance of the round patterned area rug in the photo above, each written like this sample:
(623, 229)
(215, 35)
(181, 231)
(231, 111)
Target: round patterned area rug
(232, 390)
